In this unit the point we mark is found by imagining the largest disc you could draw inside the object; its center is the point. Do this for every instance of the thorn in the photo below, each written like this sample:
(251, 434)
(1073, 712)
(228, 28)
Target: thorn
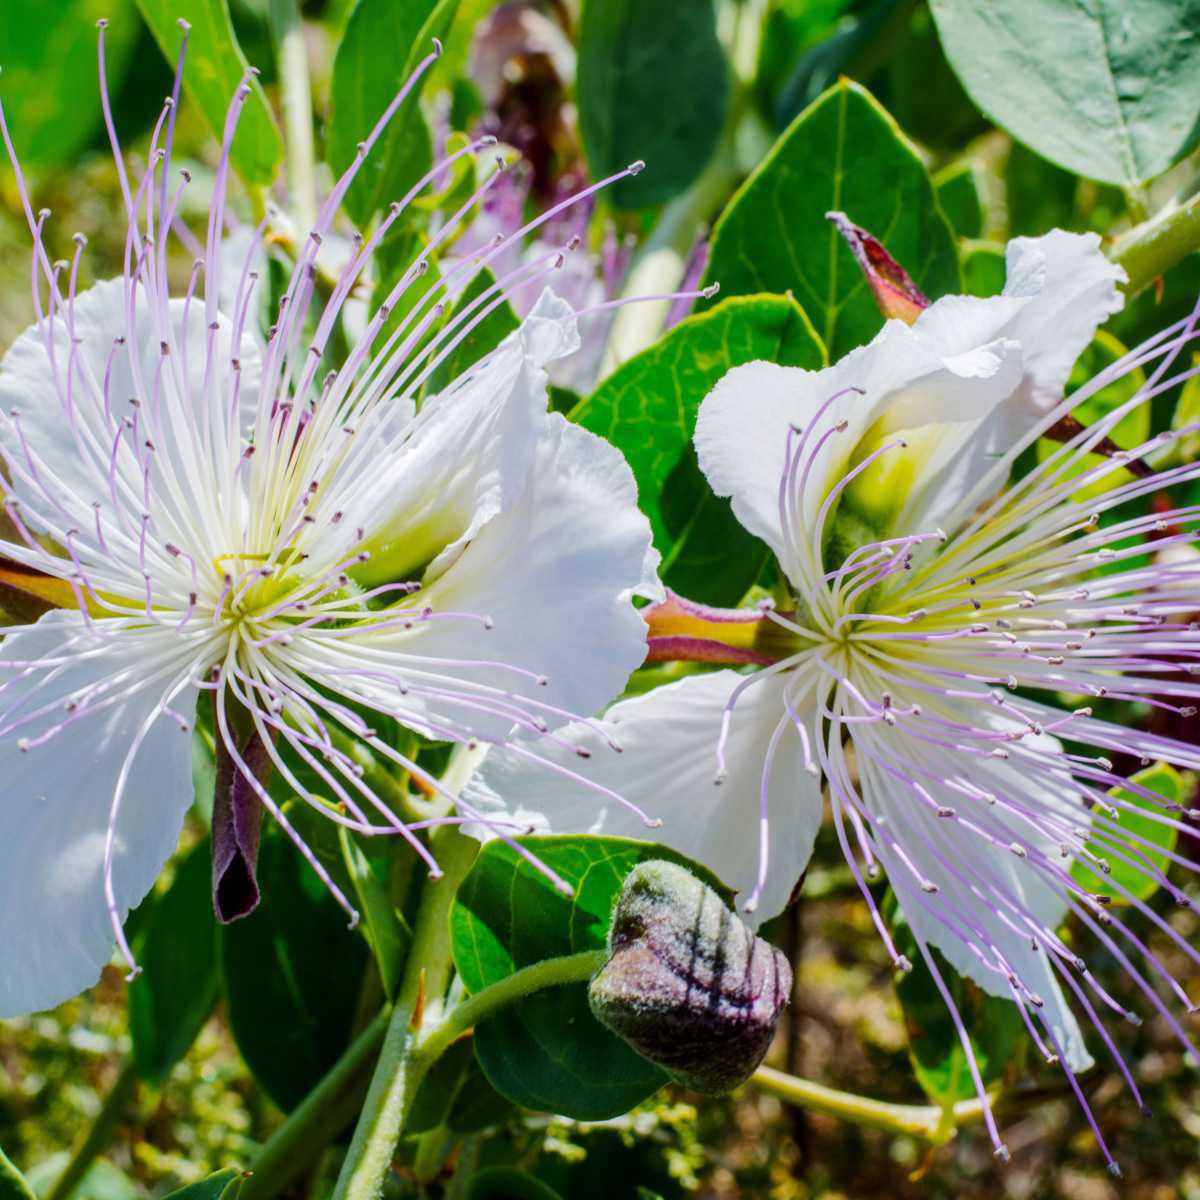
(419, 1007)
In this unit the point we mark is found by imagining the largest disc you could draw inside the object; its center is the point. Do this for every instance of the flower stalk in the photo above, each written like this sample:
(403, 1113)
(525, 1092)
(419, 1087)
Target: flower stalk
(1151, 249)
(926, 1121)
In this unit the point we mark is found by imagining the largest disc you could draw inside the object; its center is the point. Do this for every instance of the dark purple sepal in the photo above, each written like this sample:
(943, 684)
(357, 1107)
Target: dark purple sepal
(236, 828)
(688, 985)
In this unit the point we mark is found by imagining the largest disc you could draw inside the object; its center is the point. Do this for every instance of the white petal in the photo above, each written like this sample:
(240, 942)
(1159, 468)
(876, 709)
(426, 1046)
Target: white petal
(1060, 289)
(555, 572)
(1079, 293)
(465, 457)
(900, 381)
(667, 767)
(953, 857)
(71, 446)
(54, 812)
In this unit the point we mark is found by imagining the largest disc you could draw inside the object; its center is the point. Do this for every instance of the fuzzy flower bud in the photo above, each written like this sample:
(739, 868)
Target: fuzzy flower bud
(688, 985)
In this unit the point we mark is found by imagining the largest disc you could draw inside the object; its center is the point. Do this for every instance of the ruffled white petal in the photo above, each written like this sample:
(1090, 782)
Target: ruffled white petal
(54, 810)
(543, 590)
(897, 381)
(431, 484)
(667, 767)
(1060, 289)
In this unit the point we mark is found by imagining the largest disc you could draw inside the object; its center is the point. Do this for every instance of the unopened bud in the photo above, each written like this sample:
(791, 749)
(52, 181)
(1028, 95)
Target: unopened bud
(688, 985)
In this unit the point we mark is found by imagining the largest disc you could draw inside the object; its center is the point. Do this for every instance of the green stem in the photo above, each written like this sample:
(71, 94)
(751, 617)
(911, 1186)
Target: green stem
(551, 972)
(1149, 250)
(420, 998)
(324, 1112)
(99, 1133)
(920, 1120)
(292, 54)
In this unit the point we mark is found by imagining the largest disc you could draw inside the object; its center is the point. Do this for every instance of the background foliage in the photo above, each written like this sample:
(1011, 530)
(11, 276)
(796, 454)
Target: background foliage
(945, 128)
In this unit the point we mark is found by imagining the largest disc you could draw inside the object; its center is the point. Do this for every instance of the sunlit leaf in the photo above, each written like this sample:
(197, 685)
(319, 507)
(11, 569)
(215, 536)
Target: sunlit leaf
(214, 67)
(1106, 89)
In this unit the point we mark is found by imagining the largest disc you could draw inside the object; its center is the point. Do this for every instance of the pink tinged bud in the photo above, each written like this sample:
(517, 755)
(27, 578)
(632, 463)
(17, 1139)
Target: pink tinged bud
(688, 985)
(895, 293)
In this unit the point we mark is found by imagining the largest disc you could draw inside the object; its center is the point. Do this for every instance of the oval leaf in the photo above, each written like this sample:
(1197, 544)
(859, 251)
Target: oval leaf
(1109, 90)
(653, 85)
(647, 409)
(842, 153)
(48, 52)
(383, 43)
(212, 71)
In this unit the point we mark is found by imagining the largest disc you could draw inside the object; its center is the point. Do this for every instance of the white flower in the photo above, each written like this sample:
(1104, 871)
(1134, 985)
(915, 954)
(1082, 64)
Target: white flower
(927, 666)
(229, 526)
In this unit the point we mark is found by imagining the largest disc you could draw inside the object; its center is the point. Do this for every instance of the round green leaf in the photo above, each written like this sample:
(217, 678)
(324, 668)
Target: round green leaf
(653, 85)
(1108, 89)
(647, 409)
(843, 152)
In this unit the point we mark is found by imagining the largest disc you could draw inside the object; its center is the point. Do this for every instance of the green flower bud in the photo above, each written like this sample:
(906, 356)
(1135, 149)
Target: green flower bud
(688, 985)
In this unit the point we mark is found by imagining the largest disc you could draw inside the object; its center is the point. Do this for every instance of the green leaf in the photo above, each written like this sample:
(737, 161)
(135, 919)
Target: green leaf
(293, 972)
(1104, 88)
(1037, 194)
(223, 1185)
(548, 1052)
(507, 1183)
(1163, 780)
(998, 1036)
(653, 85)
(983, 267)
(12, 1182)
(213, 69)
(647, 409)
(172, 998)
(478, 1105)
(843, 152)
(48, 53)
(386, 929)
(958, 194)
(383, 43)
